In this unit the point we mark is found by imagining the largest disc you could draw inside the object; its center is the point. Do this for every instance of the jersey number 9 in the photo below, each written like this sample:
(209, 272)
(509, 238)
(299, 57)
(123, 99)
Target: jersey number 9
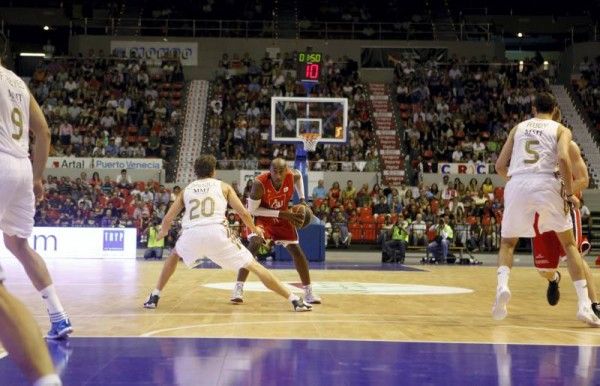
(16, 116)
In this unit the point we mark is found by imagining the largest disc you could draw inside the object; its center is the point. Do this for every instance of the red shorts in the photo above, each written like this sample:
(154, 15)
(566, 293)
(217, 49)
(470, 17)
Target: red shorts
(278, 230)
(546, 248)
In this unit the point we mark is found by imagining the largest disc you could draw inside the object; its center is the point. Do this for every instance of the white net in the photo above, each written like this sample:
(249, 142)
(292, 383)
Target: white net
(310, 141)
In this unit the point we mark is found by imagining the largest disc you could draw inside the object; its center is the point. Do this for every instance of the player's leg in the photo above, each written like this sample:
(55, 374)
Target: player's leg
(505, 261)
(301, 264)
(167, 271)
(20, 336)
(272, 283)
(547, 252)
(36, 269)
(237, 295)
(574, 264)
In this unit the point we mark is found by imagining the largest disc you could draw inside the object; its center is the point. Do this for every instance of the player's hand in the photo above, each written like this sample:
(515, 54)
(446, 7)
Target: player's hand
(574, 201)
(164, 231)
(260, 233)
(38, 190)
(296, 218)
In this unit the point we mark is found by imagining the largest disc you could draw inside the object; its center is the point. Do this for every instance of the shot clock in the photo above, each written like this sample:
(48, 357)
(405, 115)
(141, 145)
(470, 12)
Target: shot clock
(309, 66)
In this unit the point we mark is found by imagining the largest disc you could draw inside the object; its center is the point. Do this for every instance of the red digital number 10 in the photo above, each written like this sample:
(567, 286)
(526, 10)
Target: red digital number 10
(312, 71)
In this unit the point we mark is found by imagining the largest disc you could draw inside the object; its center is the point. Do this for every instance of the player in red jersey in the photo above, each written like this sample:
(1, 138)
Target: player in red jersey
(268, 202)
(546, 248)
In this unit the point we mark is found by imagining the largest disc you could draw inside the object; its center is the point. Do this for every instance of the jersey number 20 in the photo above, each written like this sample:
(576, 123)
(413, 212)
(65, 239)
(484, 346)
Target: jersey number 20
(207, 207)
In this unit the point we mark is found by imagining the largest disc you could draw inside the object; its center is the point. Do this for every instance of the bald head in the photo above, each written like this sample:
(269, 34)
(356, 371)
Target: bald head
(278, 171)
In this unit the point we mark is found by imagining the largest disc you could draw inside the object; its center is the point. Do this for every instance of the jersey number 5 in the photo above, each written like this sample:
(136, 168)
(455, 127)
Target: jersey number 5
(16, 116)
(207, 207)
(534, 153)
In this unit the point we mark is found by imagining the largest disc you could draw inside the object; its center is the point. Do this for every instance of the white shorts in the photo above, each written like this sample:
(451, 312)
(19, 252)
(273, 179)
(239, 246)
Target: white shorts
(527, 194)
(215, 242)
(17, 202)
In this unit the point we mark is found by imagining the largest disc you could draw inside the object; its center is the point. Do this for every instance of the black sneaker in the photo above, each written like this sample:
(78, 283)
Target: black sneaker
(300, 306)
(152, 301)
(553, 293)
(596, 309)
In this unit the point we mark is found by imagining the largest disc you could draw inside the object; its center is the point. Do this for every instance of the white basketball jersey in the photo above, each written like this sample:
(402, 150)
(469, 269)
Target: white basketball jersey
(204, 203)
(535, 148)
(14, 115)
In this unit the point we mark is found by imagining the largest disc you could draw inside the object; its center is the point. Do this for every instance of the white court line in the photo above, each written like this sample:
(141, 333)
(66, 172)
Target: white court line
(203, 325)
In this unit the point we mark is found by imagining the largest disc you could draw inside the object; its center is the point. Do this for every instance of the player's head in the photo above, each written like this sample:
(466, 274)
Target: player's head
(278, 170)
(544, 103)
(205, 165)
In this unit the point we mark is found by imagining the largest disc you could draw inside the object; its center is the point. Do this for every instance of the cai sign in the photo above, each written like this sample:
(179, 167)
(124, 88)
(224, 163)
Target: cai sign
(82, 243)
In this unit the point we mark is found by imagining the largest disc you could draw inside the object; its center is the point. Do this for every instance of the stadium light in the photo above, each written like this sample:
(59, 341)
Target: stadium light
(35, 54)
(46, 28)
(520, 34)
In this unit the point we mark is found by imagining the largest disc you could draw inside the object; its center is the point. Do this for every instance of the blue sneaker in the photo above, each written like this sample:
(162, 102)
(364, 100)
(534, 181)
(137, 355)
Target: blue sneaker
(60, 329)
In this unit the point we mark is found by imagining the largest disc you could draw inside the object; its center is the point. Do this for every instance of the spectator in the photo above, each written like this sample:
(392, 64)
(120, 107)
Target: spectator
(349, 193)
(340, 235)
(123, 180)
(319, 191)
(439, 247)
(418, 231)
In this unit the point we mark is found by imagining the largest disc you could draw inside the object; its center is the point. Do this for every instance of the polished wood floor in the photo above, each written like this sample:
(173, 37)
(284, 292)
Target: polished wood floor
(104, 298)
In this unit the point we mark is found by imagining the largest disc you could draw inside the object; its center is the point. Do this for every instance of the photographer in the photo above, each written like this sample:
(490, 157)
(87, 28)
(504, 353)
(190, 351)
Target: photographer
(155, 247)
(443, 237)
(394, 250)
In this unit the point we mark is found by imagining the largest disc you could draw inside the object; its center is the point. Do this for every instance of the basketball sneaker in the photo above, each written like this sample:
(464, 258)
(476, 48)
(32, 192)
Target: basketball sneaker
(553, 293)
(301, 306)
(237, 296)
(152, 301)
(60, 329)
(310, 297)
(587, 316)
(499, 311)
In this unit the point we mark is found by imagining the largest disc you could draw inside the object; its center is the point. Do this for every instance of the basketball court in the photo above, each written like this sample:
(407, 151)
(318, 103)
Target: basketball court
(378, 325)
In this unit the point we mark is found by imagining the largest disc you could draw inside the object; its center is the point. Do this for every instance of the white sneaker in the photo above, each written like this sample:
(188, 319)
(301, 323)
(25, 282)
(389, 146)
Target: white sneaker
(587, 316)
(499, 311)
(237, 296)
(310, 297)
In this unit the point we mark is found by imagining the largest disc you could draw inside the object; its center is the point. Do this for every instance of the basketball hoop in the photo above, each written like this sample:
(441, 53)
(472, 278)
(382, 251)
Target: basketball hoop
(310, 141)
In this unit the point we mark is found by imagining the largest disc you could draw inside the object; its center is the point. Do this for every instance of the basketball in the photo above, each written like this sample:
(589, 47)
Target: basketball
(307, 214)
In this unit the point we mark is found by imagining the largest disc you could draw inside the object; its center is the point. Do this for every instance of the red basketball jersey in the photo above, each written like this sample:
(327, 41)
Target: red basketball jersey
(277, 199)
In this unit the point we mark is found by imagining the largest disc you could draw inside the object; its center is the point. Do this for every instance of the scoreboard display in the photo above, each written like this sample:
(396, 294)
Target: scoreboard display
(309, 66)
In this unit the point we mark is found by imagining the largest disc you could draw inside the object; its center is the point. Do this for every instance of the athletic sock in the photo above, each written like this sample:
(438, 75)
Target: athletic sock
(503, 274)
(293, 297)
(155, 292)
(48, 380)
(582, 293)
(240, 283)
(53, 304)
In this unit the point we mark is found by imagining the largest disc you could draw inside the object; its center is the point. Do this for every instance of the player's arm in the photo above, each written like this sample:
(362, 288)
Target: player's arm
(504, 158)
(564, 162)
(171, 215)
(255, 209)
(41, 148)
(581, 178)
(299, 186)
(234, 201)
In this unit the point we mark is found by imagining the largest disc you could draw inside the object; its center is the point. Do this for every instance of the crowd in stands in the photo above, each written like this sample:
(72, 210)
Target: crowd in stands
(462, 111)
(100, 106)
(367, 214)
(104, 202)
(239, 111)
(588, 88)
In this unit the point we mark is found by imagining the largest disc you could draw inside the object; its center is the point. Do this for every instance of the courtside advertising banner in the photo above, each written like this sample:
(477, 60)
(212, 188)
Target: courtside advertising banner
(82, 243)
(464, 168)
(187, 52)
(69, 163)
(104, 163)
